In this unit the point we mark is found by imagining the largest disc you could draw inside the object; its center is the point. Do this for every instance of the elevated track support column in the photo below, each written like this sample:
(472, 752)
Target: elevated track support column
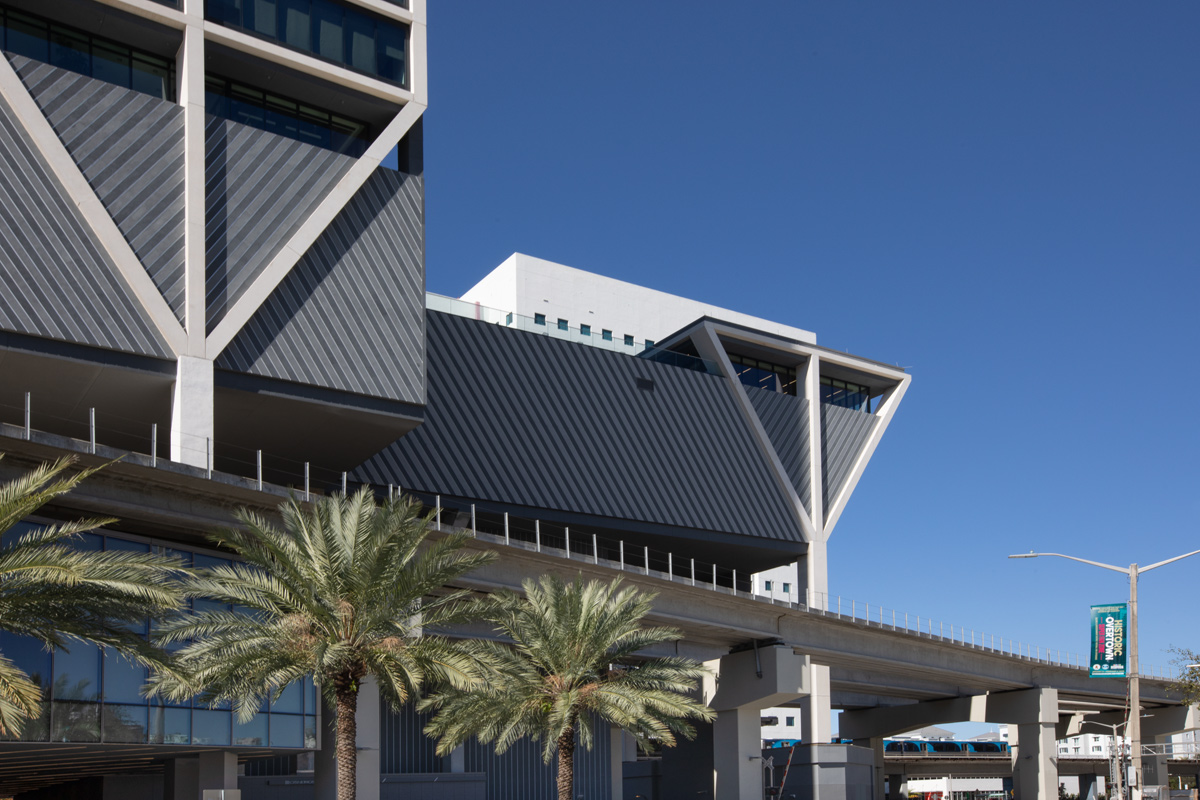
(745, 683)
(875, 745)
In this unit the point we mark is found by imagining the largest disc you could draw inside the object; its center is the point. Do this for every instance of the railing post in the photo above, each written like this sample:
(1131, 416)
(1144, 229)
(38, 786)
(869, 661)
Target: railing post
(537, 534)
(714, 576)
(307, 494)
(208, 455)
(622, 555)
(92, 429)
(506, 539)
(693, 572)
(735, 583)
(567, 534)
(345, 484)
(670, 566)
(474, 529)
(595, 550)
(260, 470)
(154, 444)
(646, 558)
(438, 511)
(28, 409)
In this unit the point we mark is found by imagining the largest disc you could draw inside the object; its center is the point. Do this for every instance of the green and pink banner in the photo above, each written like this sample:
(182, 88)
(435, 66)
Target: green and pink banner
(1109, 634)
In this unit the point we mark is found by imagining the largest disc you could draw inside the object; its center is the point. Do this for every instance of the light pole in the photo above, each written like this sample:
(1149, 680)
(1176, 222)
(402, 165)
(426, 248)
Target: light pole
(1135, 700)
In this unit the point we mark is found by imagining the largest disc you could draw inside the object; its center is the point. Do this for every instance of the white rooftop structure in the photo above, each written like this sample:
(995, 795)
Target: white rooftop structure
(531, 287)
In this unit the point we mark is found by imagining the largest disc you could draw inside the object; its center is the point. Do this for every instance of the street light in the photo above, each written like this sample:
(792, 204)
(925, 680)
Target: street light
(1118, 751)
(1135, 698)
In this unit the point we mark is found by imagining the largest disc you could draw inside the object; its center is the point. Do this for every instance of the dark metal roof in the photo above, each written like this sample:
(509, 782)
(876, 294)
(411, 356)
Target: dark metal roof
(514, 417)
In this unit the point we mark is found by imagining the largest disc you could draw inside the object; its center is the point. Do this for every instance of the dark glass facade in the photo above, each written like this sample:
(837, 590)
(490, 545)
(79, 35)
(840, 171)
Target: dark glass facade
(95, 696)
(75, 50)
(341, 34)
(284, 116)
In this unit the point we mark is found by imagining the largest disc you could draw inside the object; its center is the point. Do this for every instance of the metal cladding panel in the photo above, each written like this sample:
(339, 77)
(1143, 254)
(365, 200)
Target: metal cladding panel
(259, 189)
(350, 315)
(519, 773)
(785, 419)
(403, 747)
(58, 281)
(844, 433)
(129, 146)
(523, 419)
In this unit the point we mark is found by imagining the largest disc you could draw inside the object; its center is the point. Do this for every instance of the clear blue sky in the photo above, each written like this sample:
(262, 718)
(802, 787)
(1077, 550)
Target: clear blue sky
(1003, 198)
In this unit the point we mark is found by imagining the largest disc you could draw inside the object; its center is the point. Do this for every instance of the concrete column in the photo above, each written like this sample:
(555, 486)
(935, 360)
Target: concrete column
(1087, 787)
(875, 745)
(737, 754)
(368, 719)
(897, 787)
(616, 761)
(218, 772)
(181, 779)
(325, 758)
(192, 411)
(1035, 771)
(816, 716)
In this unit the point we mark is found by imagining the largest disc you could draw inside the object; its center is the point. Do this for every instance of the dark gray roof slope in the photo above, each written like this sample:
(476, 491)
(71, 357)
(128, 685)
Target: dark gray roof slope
(523, 419)
(57, 280)
(129, 146)
(785, 420)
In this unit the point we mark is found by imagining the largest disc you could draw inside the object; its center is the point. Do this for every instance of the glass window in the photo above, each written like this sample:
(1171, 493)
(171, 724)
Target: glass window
(228, 12)
(260, 17)
(790, 721)
(70, 50)
(294, 23)
(77, 672)
(766, 586)
(649, 343)
(170, 725)
(393, 61)
(585, 330)
(290, 701)
(123, 723)
(562, 324)
(327, 25)
(74, 722)
(28, 37)
(310, 732)
(210, 727)
(252, 733)
(123, 680)
(111, 64)
(508, 318)
(360, 41)
(606, 335)
(539, 319)
(628, 340)
(787, 588)
(287, 730)
(29, 655)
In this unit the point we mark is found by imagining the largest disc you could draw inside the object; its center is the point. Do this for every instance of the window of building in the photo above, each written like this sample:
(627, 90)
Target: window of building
(649, 343)
(845, 394)
(75, 50)
(585, 330)
(628, 340)
(789, 721)
(1096, 748)
(764, 375)
(281, 115)
(766, 586)
(508, 318)
(346, 36)
(539, 319)
(562, 324)
(787, 588)
(606, 335)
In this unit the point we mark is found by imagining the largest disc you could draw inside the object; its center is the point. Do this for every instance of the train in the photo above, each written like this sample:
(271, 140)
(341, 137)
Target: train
(915, 746)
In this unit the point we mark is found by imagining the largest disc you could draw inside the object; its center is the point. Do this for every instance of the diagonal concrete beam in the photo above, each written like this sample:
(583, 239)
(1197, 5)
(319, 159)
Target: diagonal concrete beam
(335, 200)
(93, 212)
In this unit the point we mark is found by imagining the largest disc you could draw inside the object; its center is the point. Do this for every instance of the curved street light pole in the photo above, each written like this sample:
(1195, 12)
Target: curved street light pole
(1134, 725)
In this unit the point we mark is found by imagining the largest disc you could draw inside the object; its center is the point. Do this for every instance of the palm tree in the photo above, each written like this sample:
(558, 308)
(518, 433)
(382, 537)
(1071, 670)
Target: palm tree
(60, 595)
(344, 590)
(571, 659)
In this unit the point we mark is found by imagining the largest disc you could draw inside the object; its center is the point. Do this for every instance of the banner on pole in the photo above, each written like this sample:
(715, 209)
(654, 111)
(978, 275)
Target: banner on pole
(1108, 641)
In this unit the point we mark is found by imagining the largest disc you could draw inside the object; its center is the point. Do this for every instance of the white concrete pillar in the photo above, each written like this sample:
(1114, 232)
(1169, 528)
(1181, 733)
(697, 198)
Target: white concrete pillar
(875, 745)
(181, 779)
(192, 412)
(218, 774)
(1035, 770)
(616, 761)
(737, 754)
(368, 721)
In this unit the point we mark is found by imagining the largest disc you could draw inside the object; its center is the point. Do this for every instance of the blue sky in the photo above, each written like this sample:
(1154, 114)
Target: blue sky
(1001, 197)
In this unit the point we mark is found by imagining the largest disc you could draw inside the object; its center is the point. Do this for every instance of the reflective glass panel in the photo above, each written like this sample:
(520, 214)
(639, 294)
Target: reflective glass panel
(170, 725)
(310, 732)
(360, 41)
(287, 730)
(210, 727)
(327, 22)
(111, 64)
(77, 672)
(393, 61)
(261, 17)
(123, 680)
(123, 723)
(30, 656)
(290, 701)
(252, 733)
(27, 37)
(294, 23)
(74, 722)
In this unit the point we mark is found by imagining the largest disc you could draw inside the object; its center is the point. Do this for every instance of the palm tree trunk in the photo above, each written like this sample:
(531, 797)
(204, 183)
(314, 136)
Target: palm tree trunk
(347, 742)
(566, 764)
